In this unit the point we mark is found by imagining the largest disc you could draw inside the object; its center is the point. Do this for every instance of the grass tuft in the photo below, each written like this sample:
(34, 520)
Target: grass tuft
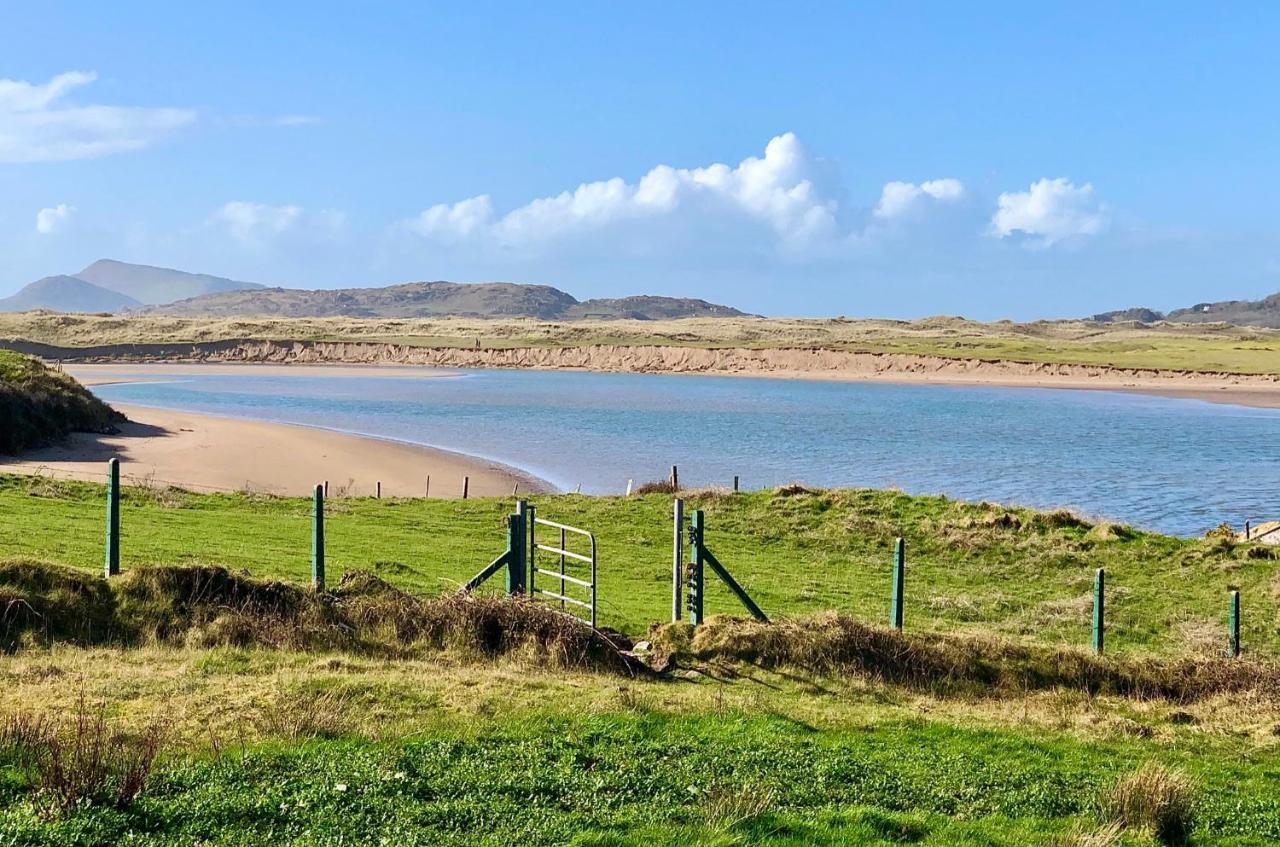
(1153, 799)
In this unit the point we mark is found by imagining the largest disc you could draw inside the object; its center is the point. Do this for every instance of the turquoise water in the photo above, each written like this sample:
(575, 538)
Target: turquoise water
(1179, 466)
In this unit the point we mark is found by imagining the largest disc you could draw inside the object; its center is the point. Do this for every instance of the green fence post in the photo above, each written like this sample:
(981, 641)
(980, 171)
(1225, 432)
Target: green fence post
(317, 539)
(1099, 609)
(518, 569)
(112, 565)
(1233, 625)
(697, 577)
(899, 583)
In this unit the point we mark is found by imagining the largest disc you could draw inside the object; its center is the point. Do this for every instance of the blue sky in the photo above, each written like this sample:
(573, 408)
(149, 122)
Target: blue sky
(895, 160)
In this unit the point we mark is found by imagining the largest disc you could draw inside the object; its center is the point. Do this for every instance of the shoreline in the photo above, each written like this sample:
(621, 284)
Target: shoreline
(200, 451)
(1249, 390)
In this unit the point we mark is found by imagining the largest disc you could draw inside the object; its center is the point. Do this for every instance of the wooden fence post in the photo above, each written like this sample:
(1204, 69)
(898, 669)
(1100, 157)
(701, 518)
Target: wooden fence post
(428, 491)
(1099, 610)
(735, 483)
(1233, 625)
(899, 583)
(317, 539)
(377, 491)
(466, 484)
(675, 478)
(112, 564)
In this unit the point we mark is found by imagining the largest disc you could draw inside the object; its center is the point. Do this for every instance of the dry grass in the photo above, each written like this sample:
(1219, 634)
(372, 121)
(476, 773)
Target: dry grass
(205, 606)
(1153, 799)
(833, 644)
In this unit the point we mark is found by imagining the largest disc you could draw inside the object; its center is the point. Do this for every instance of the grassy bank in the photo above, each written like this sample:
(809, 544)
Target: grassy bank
(971, 568)
(267, 746)
(367, 715)
(39, 405)
(1209, 348)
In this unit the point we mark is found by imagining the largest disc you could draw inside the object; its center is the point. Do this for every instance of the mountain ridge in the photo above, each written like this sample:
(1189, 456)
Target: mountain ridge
(438, 298)
(109, 285)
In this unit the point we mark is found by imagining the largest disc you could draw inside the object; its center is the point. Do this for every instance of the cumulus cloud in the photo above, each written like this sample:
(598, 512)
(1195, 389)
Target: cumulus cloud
(1050, 211)
(780, 191)
(54, 219)
(256, 223)
(37, 125)
(899, 198)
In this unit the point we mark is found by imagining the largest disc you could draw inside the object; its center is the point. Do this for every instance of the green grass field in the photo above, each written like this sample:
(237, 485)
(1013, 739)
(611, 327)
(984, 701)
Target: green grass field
(332, 747)
(976, 568)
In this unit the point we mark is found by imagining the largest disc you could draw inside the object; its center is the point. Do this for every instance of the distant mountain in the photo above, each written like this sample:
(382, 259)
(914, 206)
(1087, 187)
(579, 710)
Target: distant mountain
(1263, 313)
(67, 294)
(111, 286)
(437, 299)
(151, 285)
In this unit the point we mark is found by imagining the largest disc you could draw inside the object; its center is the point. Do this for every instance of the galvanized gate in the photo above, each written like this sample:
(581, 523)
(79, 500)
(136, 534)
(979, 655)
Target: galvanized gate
(582, 583)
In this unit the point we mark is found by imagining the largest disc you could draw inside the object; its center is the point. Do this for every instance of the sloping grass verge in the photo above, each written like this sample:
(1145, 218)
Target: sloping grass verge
(39, 405)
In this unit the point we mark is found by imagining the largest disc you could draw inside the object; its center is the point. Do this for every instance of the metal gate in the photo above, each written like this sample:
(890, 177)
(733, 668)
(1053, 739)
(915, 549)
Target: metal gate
(568, 561)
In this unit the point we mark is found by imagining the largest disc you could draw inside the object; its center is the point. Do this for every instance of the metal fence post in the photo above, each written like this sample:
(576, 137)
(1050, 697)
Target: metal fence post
(1233, 625)
(1099, 610)
(899, 583)
(677, 557)
(519, 566)
(317, 539)
(515, 553)
(112, 564)
(697, 575)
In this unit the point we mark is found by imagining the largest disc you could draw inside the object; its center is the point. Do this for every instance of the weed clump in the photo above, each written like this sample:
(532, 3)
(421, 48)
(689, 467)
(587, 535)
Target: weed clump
(657, 486)
(80, 760)
(1152, 799)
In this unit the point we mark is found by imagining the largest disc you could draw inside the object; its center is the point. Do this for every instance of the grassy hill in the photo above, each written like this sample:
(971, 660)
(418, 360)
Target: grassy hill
(1257, 313)
(39, 405)
(819, 729)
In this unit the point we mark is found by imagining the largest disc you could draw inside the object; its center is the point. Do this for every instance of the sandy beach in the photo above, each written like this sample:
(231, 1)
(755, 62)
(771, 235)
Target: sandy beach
(203, 452)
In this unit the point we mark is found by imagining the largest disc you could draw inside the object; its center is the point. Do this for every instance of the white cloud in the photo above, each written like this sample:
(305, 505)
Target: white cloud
(256, 223)
(780, 191)
(1050, 211)
(899, 198)
(54, 219)
(36, 125)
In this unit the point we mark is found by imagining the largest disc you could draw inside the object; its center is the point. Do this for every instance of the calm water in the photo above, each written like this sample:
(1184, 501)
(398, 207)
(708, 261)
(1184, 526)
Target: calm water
(1179, 466)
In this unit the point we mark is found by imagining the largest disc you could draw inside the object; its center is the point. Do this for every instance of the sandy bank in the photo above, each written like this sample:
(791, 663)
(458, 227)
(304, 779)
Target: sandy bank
(795, 363)
(202, 452)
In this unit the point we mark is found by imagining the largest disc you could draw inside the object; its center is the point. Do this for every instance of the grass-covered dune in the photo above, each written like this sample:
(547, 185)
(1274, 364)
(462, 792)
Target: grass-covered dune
(39, 405)
(1215, 348)
(206, 695)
